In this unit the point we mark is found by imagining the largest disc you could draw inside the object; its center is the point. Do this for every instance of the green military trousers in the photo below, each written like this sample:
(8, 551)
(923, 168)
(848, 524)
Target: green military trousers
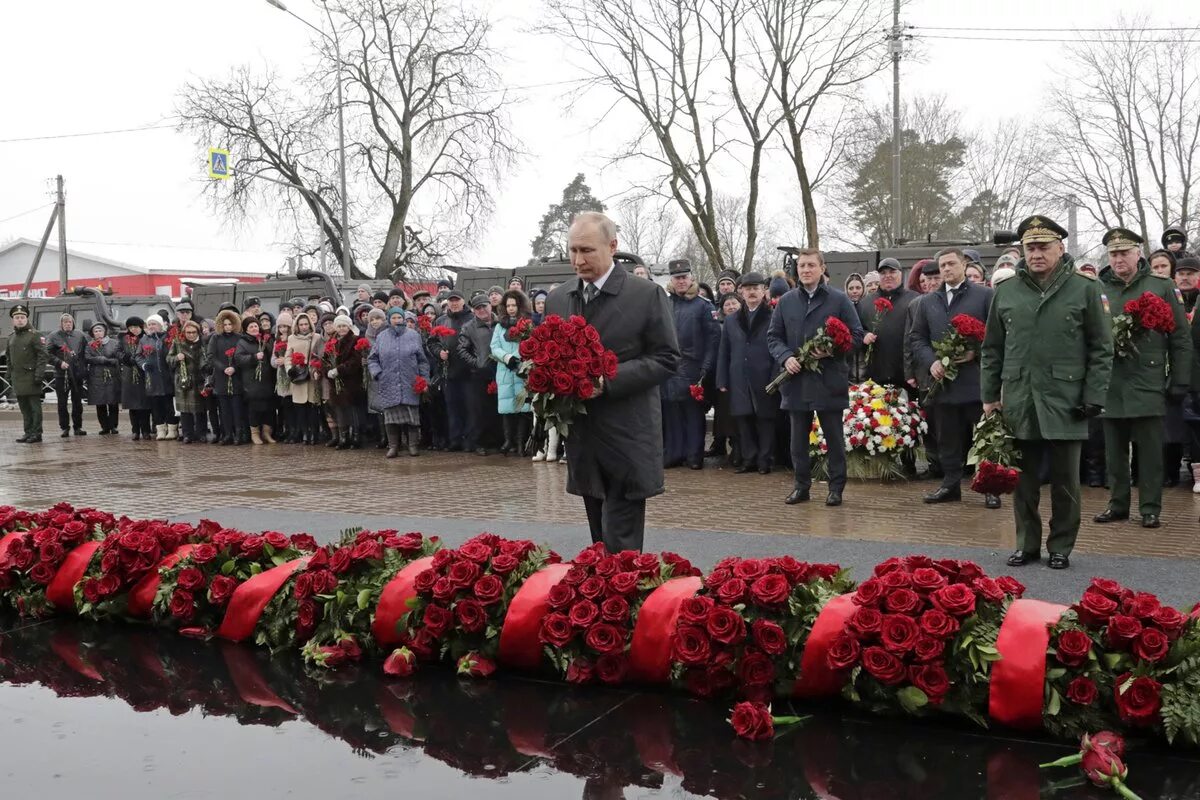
(31, 413)
(1063, 458)
(1147, 434)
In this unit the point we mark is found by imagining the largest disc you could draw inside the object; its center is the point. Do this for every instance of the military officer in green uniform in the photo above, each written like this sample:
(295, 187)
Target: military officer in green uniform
(1141, 380)
(1045, 364)
(27, 359)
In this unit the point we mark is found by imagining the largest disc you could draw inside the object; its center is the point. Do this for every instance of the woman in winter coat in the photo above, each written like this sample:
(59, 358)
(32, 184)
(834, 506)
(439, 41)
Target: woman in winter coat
(396, 363)
(266, 330)
(724, 427)
(344, 368)
(226, 381)
(375, 321)
(188, 361)
(253, 360)
(133, 380)
(103, 358)
(515, 418)
(288, 430)
(160, 388)
(304, 346)
(435, 423)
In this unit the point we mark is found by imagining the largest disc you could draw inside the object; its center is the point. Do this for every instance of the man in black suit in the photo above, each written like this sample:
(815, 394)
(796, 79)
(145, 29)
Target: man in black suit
(615, 450)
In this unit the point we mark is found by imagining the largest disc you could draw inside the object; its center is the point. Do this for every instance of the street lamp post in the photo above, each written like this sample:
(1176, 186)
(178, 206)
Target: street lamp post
(337, 51)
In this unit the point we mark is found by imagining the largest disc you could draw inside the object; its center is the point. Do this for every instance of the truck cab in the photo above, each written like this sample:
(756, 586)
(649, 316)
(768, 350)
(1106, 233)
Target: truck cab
(208, 297)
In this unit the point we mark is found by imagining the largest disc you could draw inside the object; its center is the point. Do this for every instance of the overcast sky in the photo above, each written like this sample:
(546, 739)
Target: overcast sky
(75, 66)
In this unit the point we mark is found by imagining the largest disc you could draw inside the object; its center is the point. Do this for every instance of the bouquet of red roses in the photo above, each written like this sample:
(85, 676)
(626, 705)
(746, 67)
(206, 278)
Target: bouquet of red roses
(33, 558)
(331, 354)
(745, 632)
(424, 324)
(594, 608)
(520, 330)
(883, 307)
(563, 363)
(961, 339)
(463, 597)
(994, 451)
(1148, 313)
(924, 636)
(833, 337)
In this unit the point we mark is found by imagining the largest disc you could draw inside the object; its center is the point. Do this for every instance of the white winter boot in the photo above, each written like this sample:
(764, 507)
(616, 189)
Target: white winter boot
(552, 445)
(172, 432)
(162, 433)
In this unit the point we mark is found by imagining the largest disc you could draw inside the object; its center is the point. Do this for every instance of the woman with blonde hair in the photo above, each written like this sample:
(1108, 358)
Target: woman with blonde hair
(301, 360)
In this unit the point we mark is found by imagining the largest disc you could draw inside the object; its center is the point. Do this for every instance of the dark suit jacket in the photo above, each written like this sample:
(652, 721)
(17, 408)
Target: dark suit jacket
(930, 323)
(617, 446)
(794, 322)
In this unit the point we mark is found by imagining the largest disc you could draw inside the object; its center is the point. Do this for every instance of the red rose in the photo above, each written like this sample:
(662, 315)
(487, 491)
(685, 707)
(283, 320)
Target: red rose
(42, 573)
(930, 679)
(725, 625)
(401, 663)
(938, 624)
(843, 653)
(883, 666)
(91, 590)
(489, 589)
(470, 616)
(1109, 587)
(902, 601)
(276, 540)
(110, 584)
(1122, 631)
(474, 665)
(562, 383)
(732, 591)
(604, 637)
(51, 552)
(770, 590)
(425, 579)
(756, 669)
(443, 590)
(182, 605)
(750, 568)
(1011, 586)
(580, 670)
(1082, 691)
(436, 619)
(955, 599)
(614, 609)
(690, 646)
(306, 611)
(367, 550)
(927, 579)
(463, 574)
(752, 721)
(556, 630)
(190, 579)
(607, 567)
(1151, 645)
(1095, 608)
(340, 560)
(475, 551)
(1171, 621)
(1073, 647)
(989, 589)
(896, 579)
(560, 596)
(592, 588)
(769, 637)
(869, 593)
(928, 649)
(584, 613)
(575, 576)
(203, 553)
(898, 633)
(1140, 701)
(611, 668)
(694, 610)
(221, 589)
(624, 582)
(1142, 605)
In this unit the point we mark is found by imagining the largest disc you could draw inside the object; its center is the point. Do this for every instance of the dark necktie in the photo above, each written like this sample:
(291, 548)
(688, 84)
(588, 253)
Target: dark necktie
(589, 292)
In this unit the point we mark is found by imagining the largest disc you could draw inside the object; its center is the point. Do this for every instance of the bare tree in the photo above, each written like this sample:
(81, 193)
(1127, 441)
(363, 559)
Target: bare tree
(648, 227)
(1004, 178)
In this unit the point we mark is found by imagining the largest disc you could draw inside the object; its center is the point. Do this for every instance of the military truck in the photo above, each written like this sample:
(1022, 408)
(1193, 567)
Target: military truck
(87, 305)
(542, 275)
(207, 298)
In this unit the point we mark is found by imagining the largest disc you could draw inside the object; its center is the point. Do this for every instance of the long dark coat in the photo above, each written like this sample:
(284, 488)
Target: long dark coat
(133, 379)
(218, 345)
(795, 321)
(187, 392)
(617, 446)
(455, 366)
(262, 387)
(158, 378)
(931, 321)
(349, 365)
(699, 336)
(104, 372)
(74, 342)
(887, 354)
(745, 366)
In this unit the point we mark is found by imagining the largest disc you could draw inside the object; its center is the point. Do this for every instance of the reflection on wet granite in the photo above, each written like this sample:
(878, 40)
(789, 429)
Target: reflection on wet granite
(142, 714)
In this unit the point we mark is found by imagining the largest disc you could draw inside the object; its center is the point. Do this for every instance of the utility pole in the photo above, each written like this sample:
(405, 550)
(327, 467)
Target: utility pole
(896, 45)
(61, 205)
(1073, 226)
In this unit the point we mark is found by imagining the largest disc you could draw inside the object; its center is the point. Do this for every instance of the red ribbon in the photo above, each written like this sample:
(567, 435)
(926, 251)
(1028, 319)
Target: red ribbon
(650, 650)
(61, 591)
(248, 679)
(1018, 678)
(393, 602)
(519, 643)
(816, 678)
(66, 645)
(141, 596)
(248, 600)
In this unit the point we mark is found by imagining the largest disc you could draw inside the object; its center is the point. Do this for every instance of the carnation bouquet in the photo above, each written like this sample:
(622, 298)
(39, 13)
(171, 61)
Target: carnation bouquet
(924, 637)
(879, 425)
(461, 600)
(1146, 314)
(883, 307)
(745, 632)
(961, 340)
(594, 608)
(995, 454)
(563, 363)
(833, 338)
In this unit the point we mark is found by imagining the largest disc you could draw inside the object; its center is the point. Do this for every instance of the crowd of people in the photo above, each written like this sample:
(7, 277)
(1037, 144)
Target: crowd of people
(441, 372)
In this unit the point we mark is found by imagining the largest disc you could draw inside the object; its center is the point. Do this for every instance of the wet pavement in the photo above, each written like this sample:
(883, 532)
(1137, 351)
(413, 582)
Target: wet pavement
(125, 712)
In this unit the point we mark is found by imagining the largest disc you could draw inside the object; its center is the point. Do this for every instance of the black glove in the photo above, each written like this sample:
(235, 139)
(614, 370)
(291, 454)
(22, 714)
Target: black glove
(1087, 411)
(512, 362)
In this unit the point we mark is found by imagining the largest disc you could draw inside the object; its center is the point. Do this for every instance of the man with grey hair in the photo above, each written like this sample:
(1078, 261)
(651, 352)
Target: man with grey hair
(615, 450)
(64, 349)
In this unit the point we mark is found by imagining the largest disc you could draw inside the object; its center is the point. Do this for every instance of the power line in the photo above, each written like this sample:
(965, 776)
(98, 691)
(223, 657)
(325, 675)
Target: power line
(23, 213)
(86, 133)
(1052, 41)
(1055, 30)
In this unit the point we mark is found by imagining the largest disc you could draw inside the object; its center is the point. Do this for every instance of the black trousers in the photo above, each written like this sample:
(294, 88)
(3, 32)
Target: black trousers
(162, 408)
(139, 422)
(955, 423)
(831, 423)
(683, 431)
(482, 412)
(108, 416)
(260, 412)
(756, 437)
(187, 424)
(457, 392)
(932, 449)
(233, 416)
(66, 384)
(616, 521)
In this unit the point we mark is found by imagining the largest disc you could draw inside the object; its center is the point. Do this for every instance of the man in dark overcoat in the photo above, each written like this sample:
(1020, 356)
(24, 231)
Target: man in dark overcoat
(615, 451)
(744, 368)
(698, 336)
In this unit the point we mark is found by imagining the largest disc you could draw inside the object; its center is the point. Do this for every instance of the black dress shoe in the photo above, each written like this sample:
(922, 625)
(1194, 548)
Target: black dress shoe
(797, 496)
(1150, 520)
(833, 499)
(65, 434)
(80, 432)
(743, 469)
(1059, 561)
(696, 463)
(764, 470)
(1095, 482)
(991, 501)
(1108, 515)
(1020, 558)
(34, 440)
(944, 494)
(23, 439)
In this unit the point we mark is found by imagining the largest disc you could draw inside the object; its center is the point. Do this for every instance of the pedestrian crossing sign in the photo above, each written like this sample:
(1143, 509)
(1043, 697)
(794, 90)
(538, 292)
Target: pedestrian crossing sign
(218, 163)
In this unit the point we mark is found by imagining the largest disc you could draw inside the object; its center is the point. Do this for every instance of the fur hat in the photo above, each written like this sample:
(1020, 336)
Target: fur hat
(342, 319)
(1002, 274)
(234, 318)
(250, 320)
(131, 322)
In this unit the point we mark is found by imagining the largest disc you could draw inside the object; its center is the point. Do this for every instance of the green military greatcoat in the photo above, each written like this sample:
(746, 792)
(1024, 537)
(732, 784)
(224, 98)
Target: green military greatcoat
(1047, 352)
(1140, 380)
(27, 360)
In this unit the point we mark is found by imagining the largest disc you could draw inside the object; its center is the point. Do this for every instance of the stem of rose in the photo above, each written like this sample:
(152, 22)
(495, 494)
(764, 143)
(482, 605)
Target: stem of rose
(1124, 790)
(789, 720)
(1065, 761)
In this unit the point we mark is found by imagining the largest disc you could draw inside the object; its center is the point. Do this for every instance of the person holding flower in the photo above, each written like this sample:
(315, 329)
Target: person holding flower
(160, 388)
(399, 368)
(1154, 369)
(286, 417)
(344, 371)
(699, 337)
(803, 314)
(186, 359)
(515, 418)
(103, 357)
(375, 321)
(64, 349)
(303, 359)
(133, 381)
(226, 381)
(252, 357)
(744, 368)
